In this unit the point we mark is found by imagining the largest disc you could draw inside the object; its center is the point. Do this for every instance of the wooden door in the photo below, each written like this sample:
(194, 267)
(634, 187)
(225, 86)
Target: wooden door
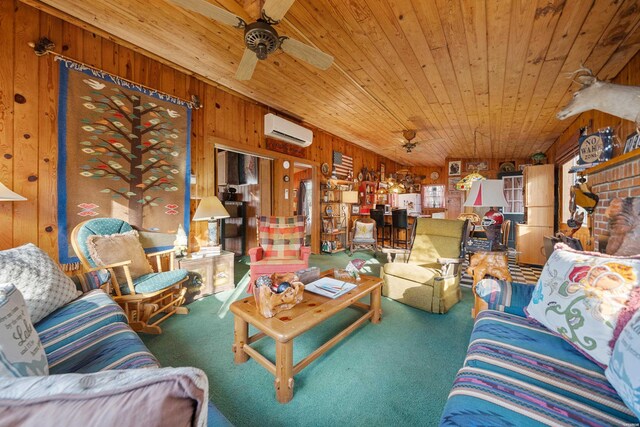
(455, 199)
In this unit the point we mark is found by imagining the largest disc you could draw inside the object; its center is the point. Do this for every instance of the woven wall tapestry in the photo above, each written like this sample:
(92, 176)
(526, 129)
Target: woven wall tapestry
(124, 152)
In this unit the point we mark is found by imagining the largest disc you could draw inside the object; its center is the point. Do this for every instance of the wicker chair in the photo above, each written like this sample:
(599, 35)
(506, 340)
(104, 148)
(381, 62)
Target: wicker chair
(363, 235)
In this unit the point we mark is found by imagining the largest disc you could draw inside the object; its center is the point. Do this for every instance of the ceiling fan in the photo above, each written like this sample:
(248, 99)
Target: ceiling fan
(260, 37)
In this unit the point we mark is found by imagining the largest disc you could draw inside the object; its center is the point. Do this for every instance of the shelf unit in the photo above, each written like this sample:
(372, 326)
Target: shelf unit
(334, 233)
(368, 195)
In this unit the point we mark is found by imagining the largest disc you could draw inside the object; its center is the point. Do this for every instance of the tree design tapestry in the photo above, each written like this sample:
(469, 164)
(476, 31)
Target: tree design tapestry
(124, 152)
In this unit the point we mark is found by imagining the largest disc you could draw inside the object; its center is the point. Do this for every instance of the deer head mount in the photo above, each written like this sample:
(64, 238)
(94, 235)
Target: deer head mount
(617, 100)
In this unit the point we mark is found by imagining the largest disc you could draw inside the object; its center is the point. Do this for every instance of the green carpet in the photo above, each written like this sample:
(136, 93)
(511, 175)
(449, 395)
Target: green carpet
(396, 373)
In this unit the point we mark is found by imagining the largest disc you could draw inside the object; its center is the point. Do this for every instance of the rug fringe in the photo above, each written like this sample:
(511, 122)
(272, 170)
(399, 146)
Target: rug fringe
(70, 267)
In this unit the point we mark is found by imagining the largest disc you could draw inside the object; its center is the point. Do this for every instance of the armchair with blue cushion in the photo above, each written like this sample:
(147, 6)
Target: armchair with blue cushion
(147, 299)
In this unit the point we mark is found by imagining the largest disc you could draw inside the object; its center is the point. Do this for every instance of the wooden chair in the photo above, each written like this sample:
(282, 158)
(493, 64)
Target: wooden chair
(280, 247)
(142, 298)
(363, 235)
(505, 229)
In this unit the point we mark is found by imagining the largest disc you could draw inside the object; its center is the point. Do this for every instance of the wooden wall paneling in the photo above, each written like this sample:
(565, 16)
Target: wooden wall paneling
(48, 140)
(7, 150)
(264, 170)
(25, 126)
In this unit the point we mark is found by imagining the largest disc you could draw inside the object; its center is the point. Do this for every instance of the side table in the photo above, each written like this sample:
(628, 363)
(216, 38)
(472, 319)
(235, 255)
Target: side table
(484, 263)
(212, 274)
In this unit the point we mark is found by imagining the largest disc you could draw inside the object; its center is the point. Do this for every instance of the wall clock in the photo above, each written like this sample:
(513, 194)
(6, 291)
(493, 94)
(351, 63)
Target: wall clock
(435, 175)
(286, 164)
(324, 169)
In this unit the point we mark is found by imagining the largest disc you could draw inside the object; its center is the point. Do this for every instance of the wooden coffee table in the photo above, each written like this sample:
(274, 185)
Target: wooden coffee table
(288, 324)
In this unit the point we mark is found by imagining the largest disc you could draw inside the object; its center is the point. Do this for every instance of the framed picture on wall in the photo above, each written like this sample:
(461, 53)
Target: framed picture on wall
(451, 185)
(455, 168)
(355, 209)
(381, 171)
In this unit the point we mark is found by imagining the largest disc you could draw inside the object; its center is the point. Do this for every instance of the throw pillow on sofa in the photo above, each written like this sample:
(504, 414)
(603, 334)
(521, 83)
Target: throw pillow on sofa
(624, 366)
(43, 285)
(21, 352)
(579, 296)
(114, 248)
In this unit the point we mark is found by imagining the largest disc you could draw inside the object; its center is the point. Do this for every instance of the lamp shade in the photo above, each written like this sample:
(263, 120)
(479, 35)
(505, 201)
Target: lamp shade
(210, 208)
(487, 193)
(7, 195)
(349, 197)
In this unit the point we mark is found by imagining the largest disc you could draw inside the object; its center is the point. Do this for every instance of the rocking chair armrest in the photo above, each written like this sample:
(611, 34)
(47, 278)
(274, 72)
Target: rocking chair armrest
(256, 254)
(167, 251)
(106, 267)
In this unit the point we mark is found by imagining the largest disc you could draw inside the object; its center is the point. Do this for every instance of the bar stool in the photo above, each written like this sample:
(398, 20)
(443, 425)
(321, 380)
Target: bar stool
(378, 216)
(400, 221)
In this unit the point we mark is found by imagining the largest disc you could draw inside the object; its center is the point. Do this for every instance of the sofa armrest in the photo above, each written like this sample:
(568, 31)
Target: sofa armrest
(450, 266)
(305, 251)
(256, 254)
(501, 295)
(131, 397)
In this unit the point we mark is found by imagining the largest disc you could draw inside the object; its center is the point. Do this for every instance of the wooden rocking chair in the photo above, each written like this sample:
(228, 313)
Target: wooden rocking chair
(146, 300)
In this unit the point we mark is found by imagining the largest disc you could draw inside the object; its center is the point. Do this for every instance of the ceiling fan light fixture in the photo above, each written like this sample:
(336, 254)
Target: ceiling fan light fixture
(261, 38)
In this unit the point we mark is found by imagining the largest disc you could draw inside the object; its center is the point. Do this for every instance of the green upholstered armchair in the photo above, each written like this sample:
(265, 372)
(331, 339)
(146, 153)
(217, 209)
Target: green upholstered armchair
(430, 280)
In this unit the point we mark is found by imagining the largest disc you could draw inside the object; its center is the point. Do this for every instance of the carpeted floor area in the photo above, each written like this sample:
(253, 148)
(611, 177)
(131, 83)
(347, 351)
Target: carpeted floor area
(396, 373)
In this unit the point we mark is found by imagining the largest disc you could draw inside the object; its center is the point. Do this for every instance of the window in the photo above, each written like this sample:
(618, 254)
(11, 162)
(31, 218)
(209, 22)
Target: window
(513, 186)
(433, 196)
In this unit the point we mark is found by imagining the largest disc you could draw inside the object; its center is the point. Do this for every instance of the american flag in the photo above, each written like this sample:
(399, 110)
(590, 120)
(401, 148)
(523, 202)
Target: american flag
(342, 164)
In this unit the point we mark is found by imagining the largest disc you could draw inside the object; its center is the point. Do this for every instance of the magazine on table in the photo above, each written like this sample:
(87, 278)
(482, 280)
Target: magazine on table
(329, 287)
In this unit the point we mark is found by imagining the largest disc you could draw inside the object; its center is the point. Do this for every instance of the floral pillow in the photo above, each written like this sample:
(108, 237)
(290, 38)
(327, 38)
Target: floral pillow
(579, 296)
(624, 367)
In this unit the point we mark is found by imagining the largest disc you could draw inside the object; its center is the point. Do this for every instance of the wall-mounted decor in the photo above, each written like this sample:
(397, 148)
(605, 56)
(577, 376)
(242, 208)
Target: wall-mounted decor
(632, 143)
(455, 168)
(522, 167)
(596, 147)
(507, 166)
(123, 153)
(451, 184)
(355, 209)
(342, 164)
(477, 166)
(382, 170)
(285, 148)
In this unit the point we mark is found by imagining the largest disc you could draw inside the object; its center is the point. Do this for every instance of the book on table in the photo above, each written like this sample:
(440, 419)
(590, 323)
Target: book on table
(329, 287)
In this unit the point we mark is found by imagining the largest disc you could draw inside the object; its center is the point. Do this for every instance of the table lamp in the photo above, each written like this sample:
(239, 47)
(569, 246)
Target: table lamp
(211, 209)
(489, 193)
(7, 195)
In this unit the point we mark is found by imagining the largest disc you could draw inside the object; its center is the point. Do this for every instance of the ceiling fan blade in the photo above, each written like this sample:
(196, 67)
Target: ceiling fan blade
(308, 54)
(210, 11)
(247, 65)
(276, 9)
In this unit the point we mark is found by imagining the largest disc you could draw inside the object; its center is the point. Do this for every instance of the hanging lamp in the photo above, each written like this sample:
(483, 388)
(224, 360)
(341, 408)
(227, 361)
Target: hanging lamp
(466, 182)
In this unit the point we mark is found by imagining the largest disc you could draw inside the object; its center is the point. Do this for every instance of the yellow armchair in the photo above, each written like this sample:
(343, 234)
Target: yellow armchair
(430, 280)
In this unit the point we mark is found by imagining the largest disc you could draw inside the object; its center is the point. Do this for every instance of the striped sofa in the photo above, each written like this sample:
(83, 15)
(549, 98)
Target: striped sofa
(90, 336)
(517, 373)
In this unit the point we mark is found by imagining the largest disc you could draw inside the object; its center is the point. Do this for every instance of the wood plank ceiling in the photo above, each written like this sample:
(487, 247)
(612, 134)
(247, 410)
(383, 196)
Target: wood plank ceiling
(449, 69)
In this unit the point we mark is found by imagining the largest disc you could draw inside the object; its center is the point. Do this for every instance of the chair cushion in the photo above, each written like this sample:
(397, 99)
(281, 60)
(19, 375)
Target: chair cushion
(277, 261)
(42, 284)
(363, 240)
(580, 294)
(82, 316)
(114, 248)
(413, 272)
(155, 281)
(112, 346)
(280, 236)
(363, 230)
(21, 352)
(527, 352)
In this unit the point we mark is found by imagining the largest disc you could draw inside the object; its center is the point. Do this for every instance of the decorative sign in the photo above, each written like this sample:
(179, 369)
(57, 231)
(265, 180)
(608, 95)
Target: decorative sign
(595, 148)
(285, 148)
(632, 143)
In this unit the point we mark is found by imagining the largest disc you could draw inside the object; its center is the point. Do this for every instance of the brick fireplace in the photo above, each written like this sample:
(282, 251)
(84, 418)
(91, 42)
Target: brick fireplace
(619, 177)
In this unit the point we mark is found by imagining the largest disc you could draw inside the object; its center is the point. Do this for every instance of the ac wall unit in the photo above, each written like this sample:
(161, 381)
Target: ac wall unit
(284, 130)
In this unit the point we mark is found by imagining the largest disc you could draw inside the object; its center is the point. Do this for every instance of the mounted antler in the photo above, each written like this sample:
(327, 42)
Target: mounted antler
(583, 76)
